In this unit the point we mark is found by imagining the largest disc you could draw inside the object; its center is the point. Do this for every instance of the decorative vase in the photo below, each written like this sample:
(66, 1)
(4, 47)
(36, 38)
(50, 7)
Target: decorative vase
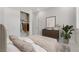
(66, 41)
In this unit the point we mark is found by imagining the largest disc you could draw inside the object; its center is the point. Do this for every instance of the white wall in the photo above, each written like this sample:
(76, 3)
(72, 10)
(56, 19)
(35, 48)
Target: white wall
(38, 22)
(35, 24)
(41, 21)
(77, 29)
(1, 15)
(64, 15)
(12, 21)
(77, 20)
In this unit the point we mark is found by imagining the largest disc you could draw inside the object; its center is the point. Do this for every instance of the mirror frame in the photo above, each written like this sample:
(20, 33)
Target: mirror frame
(54, 20)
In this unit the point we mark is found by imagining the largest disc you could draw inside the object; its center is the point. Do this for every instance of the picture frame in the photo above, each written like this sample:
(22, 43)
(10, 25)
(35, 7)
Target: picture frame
(51, 22)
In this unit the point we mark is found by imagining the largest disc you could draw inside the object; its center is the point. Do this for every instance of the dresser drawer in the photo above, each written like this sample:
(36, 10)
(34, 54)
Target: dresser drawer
(51, 33)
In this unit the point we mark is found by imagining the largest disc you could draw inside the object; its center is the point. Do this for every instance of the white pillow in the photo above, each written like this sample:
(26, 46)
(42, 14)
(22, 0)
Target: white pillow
(36, 47)
(26, 39)
(12, 48)
(21, 45)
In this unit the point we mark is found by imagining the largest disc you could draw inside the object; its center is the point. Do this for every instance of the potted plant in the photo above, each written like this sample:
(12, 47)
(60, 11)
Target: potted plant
(66, 33)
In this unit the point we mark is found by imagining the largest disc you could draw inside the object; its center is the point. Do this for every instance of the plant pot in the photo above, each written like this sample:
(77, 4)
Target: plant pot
(66, 41)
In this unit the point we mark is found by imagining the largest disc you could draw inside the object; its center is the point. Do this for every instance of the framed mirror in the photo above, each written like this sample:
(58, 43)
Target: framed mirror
(50, 22)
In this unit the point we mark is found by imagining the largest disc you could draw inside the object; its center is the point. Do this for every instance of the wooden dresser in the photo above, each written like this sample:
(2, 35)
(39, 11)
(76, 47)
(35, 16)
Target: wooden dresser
(51, 33)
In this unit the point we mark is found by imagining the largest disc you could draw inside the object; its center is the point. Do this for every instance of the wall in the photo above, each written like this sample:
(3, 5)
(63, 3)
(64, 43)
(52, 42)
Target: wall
(35, 24)
(38, 22)
(77, 25)
(77, 21)
(1, 15)
(12, 21)
(41, 21)
(64, 15)
(77, 29)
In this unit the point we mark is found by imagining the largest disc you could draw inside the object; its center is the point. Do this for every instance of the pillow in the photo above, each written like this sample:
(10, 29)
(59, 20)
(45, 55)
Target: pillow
(47, 43)
(12, 48)
(21, 45)
(36, 47)
(26, 39)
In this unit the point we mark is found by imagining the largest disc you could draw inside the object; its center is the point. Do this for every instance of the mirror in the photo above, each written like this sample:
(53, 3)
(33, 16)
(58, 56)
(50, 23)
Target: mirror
(24, 23)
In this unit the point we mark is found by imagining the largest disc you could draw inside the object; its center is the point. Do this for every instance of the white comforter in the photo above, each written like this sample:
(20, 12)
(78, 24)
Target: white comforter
(39, 43)
(12, 48)
(36, 47)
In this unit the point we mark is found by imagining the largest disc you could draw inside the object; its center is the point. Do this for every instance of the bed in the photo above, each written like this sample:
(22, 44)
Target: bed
(38, 44)
(34, 43)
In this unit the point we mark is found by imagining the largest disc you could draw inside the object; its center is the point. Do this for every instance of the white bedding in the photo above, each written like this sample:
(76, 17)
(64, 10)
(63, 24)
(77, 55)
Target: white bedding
(39, 43)
(36, 47)
(49, 44)
(12, 48)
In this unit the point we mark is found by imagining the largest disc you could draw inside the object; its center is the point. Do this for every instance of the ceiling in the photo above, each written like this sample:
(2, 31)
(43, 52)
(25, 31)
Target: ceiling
(37, 8)
(34, 9)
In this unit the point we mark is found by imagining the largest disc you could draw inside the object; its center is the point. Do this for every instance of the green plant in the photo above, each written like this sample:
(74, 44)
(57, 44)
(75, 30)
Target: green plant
(67, 31)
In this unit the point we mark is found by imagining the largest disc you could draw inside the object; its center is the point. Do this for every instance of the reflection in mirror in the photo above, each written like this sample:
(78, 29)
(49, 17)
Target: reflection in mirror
(24, 19)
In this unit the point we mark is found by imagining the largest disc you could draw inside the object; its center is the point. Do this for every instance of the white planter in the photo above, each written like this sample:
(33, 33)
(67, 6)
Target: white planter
(66, 41)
